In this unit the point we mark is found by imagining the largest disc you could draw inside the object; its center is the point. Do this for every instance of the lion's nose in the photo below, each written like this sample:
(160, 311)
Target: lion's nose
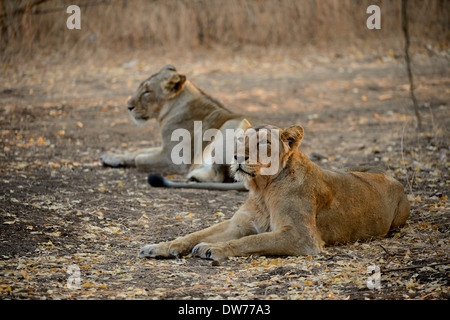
(130, 107)
(240, 159)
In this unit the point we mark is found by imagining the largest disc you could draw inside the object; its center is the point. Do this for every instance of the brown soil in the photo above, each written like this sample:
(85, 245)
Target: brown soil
(59, 207)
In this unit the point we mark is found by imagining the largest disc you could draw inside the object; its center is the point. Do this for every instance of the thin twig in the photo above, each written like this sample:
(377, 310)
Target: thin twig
(385, 250)
(416, 266)
(408, 62)
(410, 183)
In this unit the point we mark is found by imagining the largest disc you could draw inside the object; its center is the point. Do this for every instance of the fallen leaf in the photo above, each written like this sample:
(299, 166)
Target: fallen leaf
(384, 97)
(41, 141)
(87, 284)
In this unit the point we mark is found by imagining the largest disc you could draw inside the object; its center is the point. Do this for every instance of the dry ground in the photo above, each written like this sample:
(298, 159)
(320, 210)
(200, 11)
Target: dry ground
(62, 211)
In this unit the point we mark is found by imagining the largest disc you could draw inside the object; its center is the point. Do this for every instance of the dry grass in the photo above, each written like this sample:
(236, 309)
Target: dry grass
(193, 24)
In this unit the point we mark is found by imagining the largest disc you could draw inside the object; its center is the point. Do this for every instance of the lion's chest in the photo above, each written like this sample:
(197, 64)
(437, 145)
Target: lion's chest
(263, 218)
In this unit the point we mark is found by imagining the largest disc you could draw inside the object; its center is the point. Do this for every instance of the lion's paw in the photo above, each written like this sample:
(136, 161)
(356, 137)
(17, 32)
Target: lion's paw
(163, 250)
(112, 160)
(154, 251)
(209, 251)
(148, 251)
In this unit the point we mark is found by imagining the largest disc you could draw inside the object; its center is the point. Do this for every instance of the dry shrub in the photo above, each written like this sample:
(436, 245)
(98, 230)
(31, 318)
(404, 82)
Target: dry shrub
(193, 24)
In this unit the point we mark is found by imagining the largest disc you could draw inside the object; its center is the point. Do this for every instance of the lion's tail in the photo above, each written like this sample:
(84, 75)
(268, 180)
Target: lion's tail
(157, 181)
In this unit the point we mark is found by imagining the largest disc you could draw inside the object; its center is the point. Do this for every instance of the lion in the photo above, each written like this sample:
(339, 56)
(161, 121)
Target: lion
(296, 210)
(176, 103)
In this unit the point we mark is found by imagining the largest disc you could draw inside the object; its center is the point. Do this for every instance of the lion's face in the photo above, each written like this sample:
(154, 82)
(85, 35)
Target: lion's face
(264, 151)
(152, 93)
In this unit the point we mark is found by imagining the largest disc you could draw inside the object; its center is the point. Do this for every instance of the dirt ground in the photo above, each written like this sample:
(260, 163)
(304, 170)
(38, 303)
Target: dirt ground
(65, 217)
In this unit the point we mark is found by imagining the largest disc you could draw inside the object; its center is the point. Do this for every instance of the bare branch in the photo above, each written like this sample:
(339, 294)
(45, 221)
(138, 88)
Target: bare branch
(416, 266)
(408, 62)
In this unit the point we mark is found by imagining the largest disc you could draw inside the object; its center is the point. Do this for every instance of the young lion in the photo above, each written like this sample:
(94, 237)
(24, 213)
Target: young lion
(296, 210)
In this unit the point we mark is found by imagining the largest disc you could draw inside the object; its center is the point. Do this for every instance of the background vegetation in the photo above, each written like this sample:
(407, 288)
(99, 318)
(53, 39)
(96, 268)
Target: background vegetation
(29, 27)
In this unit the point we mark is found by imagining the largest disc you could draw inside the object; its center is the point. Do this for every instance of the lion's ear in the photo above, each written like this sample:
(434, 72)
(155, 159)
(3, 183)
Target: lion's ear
(174, 84)
(244, 124)
(293, 136)
(169, 67)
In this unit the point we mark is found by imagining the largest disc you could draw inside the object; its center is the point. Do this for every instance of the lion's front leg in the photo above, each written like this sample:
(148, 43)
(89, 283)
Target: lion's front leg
(152, 160)
(283, 242)
(126, 159)
(183, 245)
(294, 233)
(280, 242)
(235, 228)
(115, 160)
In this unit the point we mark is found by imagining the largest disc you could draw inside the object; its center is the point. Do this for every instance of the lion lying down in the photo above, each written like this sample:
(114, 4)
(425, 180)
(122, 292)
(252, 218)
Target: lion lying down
(176, 103)
(296, 210)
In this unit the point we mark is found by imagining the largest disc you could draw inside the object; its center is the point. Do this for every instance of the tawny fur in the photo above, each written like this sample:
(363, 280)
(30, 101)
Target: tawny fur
(297, 210)
(175, 103)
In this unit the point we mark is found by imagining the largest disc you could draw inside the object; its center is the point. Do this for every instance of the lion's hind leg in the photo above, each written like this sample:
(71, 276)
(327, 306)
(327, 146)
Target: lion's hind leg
(401, 213)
